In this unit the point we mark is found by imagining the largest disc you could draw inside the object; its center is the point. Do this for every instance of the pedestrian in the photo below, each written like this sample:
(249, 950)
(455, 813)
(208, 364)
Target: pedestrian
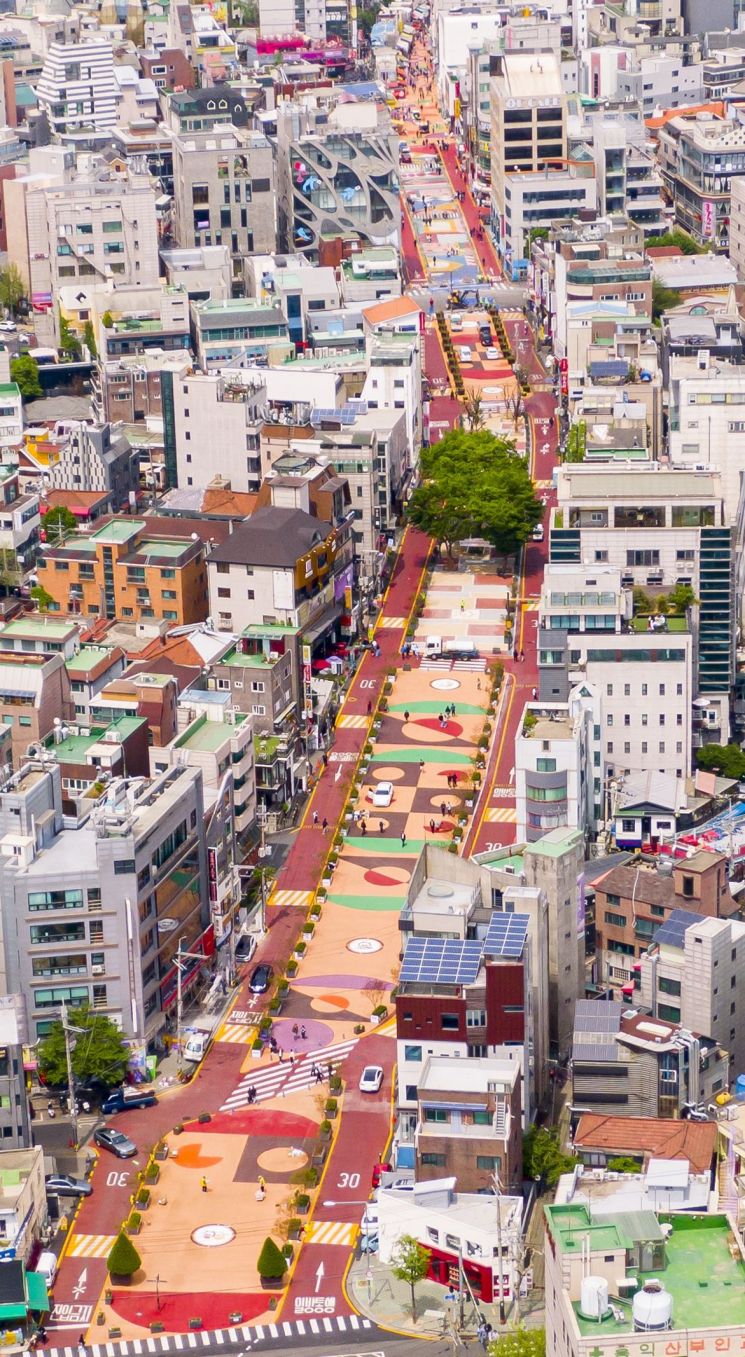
(363, 828)
(406, 716)
(521, 656)
(442, 809)
(325, 759)
(303, 1033)
(403, 838)
(315, 817)
(81, 1342)
(325, 825)
(369, 708)
(381, 827)
(421, 765)
(319, 1076)
(535, 694)
(482, 1334)
(330, 1071)
(203, 1183)
(478, 685)
(295, 1030)
(262, 1184)
(431, 826)
(463, 605)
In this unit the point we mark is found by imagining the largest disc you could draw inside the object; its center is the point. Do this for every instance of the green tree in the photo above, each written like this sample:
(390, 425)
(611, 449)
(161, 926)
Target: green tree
(367, 16)
(728, 760)
(272, 1262)
(89, 338)
(99, 1049)
(475, 485)
(123, 1260)
(107, 320)
(623, 1163)
(12, 288)
(679, 238)
(68, 340)
(681, 596)
(543, 1157)
(410, 1264)
(520, 1342)
(58, 523)
(663, 299)
(24, 371)
(576, 444)
(42, 599)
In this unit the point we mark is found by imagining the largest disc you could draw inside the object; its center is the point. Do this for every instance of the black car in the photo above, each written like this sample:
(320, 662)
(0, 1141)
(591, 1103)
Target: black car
(261, 979)
(485, 335)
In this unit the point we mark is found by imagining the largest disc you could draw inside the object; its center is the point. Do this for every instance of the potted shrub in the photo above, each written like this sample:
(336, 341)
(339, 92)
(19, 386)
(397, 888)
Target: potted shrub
(332, 1107)
(315, 910)
(134, 1223)
(288, 1252)
(292, 967)
(161, 1151)
(325, 1128)
(282, 988)
(257, 1047)
(380, 1011)
(142, 1200)
(271, 1265)
(152, 1173)
(335, 1083)
(294, 1226)
(275, 1007)
(309, 929)
(123, 1260)
(302, 1203)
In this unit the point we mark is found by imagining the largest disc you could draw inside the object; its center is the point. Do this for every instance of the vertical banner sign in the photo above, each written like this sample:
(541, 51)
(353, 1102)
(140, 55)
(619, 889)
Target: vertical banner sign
(212, 875)
(307, 693)
(564, 371)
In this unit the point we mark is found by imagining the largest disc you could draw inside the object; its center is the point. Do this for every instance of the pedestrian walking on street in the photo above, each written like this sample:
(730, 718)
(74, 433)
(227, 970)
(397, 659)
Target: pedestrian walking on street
(330, 1071)
(324, 825)
(325, 759)
(303, 1033)
(203, 1183)
(315, 817)
(381, 827)
(482, 1333)
(369, 708)
(406, 716)
(295, 1030)
(363, 829)
(262, 1184)
(442, 809)
(463, 605)
(535, 694)
(403, 838)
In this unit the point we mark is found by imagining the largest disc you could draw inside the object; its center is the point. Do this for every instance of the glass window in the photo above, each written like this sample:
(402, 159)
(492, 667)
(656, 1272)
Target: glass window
(413, 1053)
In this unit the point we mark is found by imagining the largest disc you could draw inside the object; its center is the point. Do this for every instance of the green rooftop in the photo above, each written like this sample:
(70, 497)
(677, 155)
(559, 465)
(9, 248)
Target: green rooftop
(205, 736)
(244, 661)
(702, 1266)
(73, 748)
(677, 624)
(10, 389)
(270, 629)
(118, 530)
(86, 658)
(38, 628)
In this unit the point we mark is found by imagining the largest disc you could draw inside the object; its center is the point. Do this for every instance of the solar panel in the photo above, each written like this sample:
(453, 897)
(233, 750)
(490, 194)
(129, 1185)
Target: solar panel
(506, 935)
(597, 1015)
(440, 961)
(345, 415)
(673, 931)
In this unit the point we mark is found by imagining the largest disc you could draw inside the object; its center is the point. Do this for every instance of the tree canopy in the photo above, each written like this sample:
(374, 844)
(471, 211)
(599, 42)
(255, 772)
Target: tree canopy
(123, 1260)
(475, 485)
(663, 299)
(410, 1264)
(271, 1262)
(520, 1342)
(543, 1157)
(681, 239)
(68, 341)
(726, 759)
(24, 371)
(58, 523)
(99, 1049)
(12, 288)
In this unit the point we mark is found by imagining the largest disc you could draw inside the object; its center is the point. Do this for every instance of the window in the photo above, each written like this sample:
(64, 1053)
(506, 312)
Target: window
(475, 1017)
(413, 1053)
(668, 1014)
(688, 887)
(667, 986)
(449, 1022)
(432, 1160)
(439, 1114)
(43, 900)
(617, 920)
(492, 1163)
(124, 867)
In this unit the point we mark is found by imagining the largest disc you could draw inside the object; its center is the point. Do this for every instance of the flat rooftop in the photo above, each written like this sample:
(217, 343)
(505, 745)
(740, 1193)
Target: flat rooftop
(38, 627)
(87, 658)
(206, 736)
(703, 1270)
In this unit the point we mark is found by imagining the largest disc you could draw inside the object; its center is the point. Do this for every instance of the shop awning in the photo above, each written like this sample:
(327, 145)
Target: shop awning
(12, 1312)
(36, 1289)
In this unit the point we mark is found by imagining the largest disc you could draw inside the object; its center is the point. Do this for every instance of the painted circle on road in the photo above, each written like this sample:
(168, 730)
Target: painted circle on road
(444, 685)
(317, 1035)
(212, 1236)
(282, 1160)
(363, 946)
(386, 774)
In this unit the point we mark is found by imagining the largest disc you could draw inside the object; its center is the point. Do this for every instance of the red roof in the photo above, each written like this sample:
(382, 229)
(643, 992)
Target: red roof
(650, 1137)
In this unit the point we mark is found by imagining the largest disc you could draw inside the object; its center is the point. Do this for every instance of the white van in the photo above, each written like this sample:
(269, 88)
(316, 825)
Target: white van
(433, 645)
(47, 1266)
(538, 532)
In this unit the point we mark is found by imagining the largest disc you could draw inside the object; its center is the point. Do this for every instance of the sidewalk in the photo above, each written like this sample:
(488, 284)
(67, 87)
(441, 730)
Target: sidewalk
(377, 1294)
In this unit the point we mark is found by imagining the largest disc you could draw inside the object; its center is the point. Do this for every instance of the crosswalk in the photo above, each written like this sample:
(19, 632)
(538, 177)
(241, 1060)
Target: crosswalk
(297, 899)
(240, 1338)
(236, 1033)
(331, 1232)
(436, 662)
(273, 1081)
(478, 663)
(352, 722)
(395, 623)
(91, 1245)
(501, 815)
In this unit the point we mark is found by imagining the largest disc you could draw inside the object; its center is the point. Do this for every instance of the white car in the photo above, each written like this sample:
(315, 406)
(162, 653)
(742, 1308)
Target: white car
(369, 1220)
(492, 353)
(371, 1079)
(8, 325)
(383, 795)
(466, 354)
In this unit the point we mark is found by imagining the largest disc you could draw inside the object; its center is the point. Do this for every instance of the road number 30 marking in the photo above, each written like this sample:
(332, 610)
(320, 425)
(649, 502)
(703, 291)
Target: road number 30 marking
(117, 1179)
(349, 1180)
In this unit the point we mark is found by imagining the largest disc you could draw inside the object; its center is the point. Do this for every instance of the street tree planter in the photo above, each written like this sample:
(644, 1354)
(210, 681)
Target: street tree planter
(302, 1203)
(160, 1152)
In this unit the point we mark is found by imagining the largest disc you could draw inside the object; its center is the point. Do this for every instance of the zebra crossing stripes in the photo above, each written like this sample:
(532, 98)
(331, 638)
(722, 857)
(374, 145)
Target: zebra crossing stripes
(239, 1338)
(501, 815)
(91, 1245)
(298, 899)
(477, 663)
(237, 1033)
(275, 1081)
(395, 622)
(353, 722)
(331, 1232)
(436, 663)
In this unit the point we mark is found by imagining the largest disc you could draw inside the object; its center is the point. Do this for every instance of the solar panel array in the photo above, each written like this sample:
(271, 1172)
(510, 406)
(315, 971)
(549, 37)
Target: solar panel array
(440, 961)
(673, 931)
(343, 414)
(506, 935)
(595, 1023)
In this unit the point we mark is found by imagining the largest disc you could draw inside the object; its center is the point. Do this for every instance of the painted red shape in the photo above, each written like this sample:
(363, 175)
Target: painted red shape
(380, 879)
(257, 1121)
(174, 1309)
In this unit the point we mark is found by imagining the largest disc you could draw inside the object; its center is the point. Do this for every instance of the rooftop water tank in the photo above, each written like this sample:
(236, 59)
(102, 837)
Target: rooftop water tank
(593, 1303)
(740, 1086)
(652, 1308)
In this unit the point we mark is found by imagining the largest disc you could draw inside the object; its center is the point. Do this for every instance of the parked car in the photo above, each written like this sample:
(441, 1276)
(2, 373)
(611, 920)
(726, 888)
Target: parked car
(261, 979)
(371, 1079)
(108, 1138)
(245, 947)
(369, 1243)
(121, 1098)
(465, 354)
(8, 326)
(378, 1172)
(63, 1185)
(383, 795)
(492, 354)
(538, 532)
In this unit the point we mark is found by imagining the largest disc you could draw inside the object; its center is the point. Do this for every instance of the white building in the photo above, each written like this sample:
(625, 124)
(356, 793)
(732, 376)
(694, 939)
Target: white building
(553, 765)
(708, 422)
(77, 89)
(692, 973)
(210, 411)
(535, 199)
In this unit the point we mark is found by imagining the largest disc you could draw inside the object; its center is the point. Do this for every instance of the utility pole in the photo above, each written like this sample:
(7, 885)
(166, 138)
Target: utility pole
(179, 959)
(498, 1188)
(72, 1100)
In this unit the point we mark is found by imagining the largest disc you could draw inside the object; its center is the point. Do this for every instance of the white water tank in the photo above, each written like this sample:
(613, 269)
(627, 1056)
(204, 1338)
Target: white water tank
(652, 1308)
(593, 1301)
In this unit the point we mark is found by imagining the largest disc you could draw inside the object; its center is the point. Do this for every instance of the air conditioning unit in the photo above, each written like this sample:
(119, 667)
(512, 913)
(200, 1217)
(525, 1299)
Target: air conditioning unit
(98, 970)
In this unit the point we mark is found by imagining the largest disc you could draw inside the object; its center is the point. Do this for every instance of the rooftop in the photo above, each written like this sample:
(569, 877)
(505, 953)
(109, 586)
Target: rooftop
(661, 1137)
(76, 745)
(206, 737)
(703, 1268)
(88, 657)
(38, 627)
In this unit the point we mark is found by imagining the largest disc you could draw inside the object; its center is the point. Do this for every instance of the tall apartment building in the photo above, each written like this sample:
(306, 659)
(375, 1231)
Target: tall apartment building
(209, 410)
(77, 89)
(15, 1119)
(692, 974)
(96, 913)
(123, 570)
(706, 402)
(554, 752)
(224, 192)
(657, 527)
(528, 126)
